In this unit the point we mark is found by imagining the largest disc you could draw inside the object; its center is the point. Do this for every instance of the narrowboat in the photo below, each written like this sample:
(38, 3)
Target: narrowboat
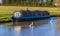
(27, 15)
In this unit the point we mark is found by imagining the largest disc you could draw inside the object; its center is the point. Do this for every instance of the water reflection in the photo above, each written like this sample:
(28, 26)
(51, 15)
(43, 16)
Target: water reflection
(32, 23)
(48, 27)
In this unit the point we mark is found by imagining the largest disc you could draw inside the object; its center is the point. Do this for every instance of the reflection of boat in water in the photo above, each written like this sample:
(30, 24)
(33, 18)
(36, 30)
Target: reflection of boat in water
(23, 15)
(33, 23)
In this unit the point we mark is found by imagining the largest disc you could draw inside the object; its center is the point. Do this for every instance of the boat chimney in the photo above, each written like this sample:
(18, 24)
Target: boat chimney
(27, 9)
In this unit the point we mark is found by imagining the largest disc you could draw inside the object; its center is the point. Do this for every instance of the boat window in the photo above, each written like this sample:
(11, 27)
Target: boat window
(37, 13)
(41, 13)
(24, 13)
(45, 13)
(31, 13)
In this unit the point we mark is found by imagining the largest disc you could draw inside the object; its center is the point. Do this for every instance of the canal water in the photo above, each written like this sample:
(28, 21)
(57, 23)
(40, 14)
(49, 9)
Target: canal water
(47, 27)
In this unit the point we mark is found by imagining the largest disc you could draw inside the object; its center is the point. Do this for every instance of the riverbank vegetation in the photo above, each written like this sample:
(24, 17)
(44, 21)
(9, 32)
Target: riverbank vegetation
(6, 12)
(32, 3)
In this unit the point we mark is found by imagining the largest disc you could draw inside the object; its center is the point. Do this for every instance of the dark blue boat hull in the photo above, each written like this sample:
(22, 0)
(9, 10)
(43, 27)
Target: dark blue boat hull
(29, 19)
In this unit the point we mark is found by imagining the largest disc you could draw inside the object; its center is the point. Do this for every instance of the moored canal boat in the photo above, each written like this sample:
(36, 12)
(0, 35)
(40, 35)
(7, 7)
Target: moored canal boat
(27, 15)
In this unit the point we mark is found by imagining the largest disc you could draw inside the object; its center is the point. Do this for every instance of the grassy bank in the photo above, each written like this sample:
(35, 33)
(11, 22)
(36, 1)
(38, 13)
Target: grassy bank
(7, 11)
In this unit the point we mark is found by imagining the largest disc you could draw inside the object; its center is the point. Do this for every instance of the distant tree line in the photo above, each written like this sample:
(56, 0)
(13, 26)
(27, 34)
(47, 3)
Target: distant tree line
(28, 2)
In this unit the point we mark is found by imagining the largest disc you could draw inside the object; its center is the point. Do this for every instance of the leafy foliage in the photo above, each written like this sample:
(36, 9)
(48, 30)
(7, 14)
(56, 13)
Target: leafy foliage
(29, 2)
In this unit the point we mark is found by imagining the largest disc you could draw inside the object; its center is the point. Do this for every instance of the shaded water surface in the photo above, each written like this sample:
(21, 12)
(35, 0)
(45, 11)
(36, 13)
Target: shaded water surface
(48, 27)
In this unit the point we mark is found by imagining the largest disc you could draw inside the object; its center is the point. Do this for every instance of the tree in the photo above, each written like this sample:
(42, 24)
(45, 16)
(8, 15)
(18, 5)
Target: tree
(51, 2)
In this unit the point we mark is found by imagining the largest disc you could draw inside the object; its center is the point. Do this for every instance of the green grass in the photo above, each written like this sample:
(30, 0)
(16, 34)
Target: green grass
(5, 16)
